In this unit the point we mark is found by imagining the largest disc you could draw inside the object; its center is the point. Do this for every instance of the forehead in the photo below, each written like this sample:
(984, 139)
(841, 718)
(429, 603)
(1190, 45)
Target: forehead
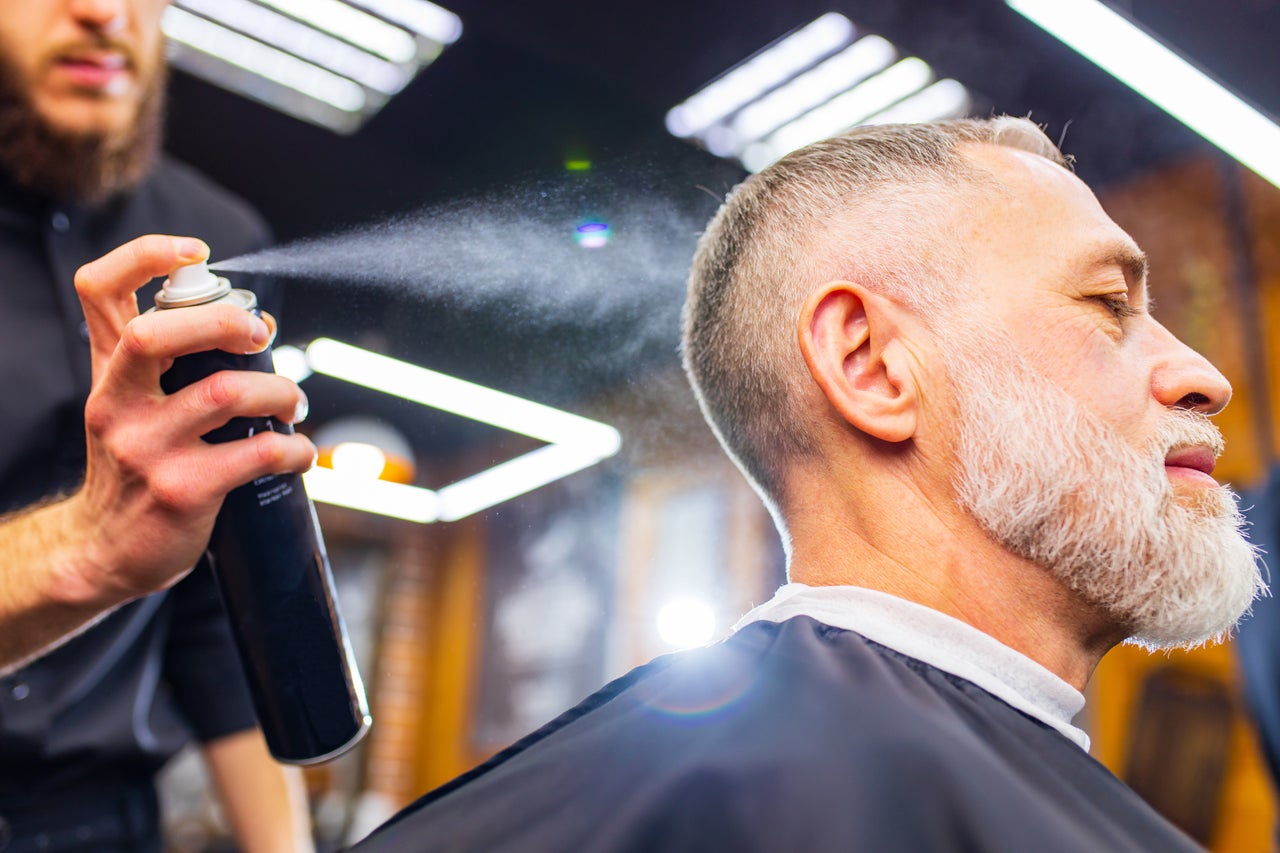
(1037, 222)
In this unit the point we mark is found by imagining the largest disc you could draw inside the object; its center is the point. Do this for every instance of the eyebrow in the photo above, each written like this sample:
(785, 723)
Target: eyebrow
(1131, 260)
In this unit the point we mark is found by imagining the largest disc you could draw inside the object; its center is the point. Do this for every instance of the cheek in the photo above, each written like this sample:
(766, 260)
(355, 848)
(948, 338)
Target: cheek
(1101, 374)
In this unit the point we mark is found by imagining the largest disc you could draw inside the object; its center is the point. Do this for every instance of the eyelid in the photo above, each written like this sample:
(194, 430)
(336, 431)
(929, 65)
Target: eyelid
(1117, 304)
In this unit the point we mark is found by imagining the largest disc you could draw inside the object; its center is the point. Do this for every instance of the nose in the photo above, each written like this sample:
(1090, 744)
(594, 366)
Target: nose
(107, 16)
(1184, 379)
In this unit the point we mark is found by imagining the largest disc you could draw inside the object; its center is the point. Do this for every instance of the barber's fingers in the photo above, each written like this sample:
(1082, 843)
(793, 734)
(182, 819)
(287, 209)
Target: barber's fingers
(149, 343)
(214, 400)
(106, 286)
(193, 483)
(218, 468)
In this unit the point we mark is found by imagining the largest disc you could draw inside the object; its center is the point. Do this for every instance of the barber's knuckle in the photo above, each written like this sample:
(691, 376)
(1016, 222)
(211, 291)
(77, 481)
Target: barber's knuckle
(137, 339)
(270, 451)
(86, 280)
(169, 490)
(219, 391)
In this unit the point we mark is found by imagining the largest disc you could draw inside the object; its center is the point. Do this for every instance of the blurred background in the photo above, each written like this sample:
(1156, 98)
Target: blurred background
(503, 196)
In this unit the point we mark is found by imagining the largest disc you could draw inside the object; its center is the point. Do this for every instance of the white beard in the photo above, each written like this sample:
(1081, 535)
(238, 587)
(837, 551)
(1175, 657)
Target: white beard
(1051, 482)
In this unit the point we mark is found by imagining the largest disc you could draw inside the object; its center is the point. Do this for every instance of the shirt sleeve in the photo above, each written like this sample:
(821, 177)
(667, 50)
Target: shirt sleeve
(201, 664)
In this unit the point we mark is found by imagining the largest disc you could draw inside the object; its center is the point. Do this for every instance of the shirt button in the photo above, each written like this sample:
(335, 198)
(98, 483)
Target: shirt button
(84, 331)
(60, 221)
(20, 691)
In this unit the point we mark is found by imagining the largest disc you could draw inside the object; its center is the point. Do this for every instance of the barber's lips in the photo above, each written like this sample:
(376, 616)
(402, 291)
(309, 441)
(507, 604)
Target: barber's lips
(1192, 464)
(102, 70)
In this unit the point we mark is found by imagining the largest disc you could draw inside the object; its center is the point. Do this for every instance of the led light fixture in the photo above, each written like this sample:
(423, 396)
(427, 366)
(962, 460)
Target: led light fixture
(820, 80)
(1161, 76)
(573, 442)
(330, 62)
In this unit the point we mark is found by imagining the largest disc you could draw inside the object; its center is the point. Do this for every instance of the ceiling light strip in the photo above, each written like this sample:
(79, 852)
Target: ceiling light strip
(350, 24)
(873, 95)
(770, 67)
(255, 57)
(841, 72)
(1161, 76)
(423, 17)
(421, 385)
(944, 99)
(303, 41)
(512, 479)
(410, 503)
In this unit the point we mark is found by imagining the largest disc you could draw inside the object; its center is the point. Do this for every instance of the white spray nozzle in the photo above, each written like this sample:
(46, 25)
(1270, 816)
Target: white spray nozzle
(193, 284)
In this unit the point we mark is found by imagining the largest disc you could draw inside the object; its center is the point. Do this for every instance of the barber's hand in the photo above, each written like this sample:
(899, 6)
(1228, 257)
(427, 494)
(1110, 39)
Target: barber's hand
(152, 487)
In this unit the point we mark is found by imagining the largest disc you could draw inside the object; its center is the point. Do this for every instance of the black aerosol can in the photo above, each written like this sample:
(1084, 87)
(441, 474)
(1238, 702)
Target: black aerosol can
(272, 570)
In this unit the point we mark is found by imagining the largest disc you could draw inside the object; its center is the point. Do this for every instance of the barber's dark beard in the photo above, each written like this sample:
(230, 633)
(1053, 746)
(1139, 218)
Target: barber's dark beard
(86, 167)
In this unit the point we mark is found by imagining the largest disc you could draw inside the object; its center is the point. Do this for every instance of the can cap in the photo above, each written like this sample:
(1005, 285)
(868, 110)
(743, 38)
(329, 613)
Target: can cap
(192, 285)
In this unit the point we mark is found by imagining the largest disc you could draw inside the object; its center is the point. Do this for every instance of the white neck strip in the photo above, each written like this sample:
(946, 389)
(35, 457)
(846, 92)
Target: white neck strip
(936, 639)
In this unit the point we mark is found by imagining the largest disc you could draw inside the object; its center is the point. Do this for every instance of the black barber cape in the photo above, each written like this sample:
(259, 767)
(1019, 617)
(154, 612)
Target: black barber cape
(787, 737)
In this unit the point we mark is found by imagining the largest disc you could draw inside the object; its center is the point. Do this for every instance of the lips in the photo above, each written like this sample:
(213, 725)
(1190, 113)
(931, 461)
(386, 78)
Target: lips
(95, 68)
(1200, 459)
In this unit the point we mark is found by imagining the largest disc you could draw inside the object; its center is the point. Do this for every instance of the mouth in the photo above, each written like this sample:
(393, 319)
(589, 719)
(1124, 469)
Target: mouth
(101, 70)
(1192, 462)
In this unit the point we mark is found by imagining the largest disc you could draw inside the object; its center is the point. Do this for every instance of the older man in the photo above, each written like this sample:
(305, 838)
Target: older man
(99, 518)
(931, 351)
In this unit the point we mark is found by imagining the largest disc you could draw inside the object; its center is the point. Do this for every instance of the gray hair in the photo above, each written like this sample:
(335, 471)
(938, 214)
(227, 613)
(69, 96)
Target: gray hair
(862, 206)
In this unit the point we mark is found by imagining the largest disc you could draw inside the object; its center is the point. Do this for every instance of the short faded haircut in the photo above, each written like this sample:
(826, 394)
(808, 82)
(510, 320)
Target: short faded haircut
(873, 205)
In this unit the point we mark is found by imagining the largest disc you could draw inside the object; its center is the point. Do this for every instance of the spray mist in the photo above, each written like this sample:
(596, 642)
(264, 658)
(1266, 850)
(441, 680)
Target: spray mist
(272, 570)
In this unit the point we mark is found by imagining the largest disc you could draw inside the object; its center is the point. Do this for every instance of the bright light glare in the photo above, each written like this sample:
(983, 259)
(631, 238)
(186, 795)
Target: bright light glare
(358, 459)
(1163, 77)
(291, 362)
(420, 385)
(304, 41)
(843, 112)
(409, 503)
(944, 99)
(759, 74)
(511, 479)
(336, 18)
(436, 23)
(257, 58)
(685, 623)
(855, 63)
(574, 442)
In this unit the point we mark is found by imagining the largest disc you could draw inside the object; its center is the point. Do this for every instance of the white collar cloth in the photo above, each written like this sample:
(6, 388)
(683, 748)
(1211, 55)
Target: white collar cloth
(936, 639)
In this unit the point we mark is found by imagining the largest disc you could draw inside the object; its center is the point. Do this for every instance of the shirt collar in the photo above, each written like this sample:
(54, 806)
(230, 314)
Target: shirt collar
(936, 639)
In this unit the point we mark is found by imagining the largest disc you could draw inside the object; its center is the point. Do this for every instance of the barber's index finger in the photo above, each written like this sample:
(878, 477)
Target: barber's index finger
(106, 286)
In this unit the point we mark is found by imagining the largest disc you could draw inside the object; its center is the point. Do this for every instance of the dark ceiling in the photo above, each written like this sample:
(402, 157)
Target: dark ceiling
(473, 151)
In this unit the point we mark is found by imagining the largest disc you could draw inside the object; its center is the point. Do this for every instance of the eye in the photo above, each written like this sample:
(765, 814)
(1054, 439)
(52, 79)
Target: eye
(1117, 304)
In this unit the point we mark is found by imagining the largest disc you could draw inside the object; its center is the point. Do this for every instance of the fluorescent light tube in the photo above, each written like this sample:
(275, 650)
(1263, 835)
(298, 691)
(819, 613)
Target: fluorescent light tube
(253, 56)
(360, 28)
(436, 23)
(944, 99)
(768, 68)
(512, 479)
(844, 111)
(410, 503)
(420, 385)
(846, 69)
(303, 41)
(1161, 76)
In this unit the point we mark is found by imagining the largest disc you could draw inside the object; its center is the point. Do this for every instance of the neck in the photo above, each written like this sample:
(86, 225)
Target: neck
(900, 542)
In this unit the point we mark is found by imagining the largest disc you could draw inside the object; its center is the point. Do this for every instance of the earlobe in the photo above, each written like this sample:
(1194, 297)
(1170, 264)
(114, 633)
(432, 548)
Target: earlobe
(848, 338)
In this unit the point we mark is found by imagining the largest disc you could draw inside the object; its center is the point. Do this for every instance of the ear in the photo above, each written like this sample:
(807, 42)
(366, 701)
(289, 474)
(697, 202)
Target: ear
(848, 339)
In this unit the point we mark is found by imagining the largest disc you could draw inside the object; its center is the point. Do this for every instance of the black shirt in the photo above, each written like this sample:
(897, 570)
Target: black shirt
(791, 736)
(110, 706)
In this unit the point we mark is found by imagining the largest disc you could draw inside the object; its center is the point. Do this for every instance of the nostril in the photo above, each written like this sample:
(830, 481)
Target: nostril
(1193, 400)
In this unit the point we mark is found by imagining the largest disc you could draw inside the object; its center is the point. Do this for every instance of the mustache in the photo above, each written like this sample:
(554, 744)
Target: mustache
(1183, 428)
(93, 42)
